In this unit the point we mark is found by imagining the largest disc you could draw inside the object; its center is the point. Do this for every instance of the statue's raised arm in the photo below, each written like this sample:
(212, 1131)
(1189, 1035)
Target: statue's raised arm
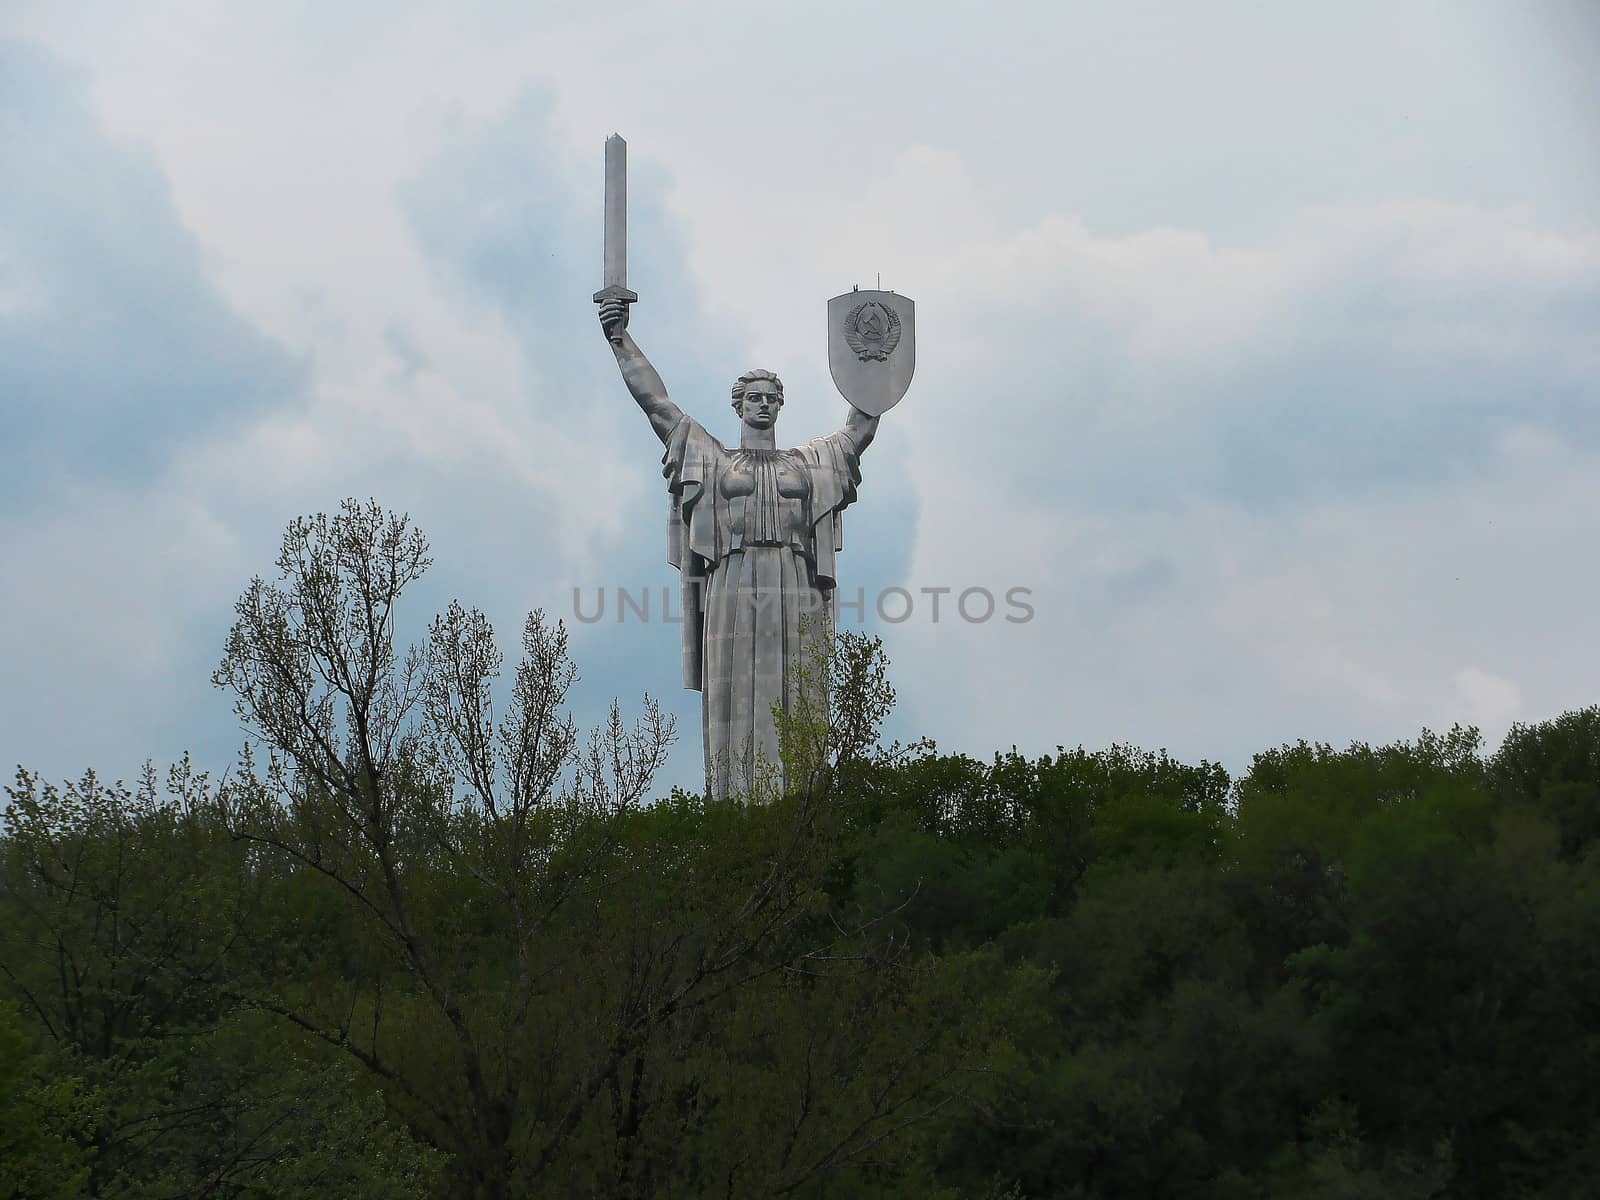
(860, 428)
(642, 380)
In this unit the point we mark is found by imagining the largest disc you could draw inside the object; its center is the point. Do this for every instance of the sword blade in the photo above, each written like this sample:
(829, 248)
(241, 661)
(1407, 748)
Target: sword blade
(616, 267)
(616, 253)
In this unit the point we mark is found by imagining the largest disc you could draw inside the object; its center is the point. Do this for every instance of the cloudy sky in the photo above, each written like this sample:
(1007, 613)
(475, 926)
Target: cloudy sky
(1260, 341)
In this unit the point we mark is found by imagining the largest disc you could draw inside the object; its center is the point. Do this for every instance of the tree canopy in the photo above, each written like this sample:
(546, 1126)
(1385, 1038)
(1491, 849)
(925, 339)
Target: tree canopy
(415, 945)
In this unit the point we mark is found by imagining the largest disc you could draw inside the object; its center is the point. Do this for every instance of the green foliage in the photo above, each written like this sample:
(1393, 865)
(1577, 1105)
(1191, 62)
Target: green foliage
(425, 948)
(47, 1120)
(1554, 768)
(1369, 972)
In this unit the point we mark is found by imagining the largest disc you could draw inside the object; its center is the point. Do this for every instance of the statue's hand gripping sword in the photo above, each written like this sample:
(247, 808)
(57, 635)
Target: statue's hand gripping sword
(616, 276)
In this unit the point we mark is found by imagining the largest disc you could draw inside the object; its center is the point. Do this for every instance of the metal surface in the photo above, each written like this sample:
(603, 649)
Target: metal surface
(616, 235)
(872, 348)
(756, 530)
(616, 212)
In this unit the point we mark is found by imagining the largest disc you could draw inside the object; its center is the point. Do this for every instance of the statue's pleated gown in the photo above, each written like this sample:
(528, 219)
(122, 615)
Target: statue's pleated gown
(754, 533)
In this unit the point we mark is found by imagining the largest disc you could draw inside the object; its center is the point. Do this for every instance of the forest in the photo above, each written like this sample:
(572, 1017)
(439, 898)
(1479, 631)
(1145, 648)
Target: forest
(429, 938)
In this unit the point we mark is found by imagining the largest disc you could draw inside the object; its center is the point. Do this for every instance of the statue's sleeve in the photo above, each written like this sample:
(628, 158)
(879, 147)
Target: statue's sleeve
(694, 533)
(690, 465)
(835, 473)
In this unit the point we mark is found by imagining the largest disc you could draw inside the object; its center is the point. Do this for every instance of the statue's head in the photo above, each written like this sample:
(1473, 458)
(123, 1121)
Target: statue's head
(757, 397)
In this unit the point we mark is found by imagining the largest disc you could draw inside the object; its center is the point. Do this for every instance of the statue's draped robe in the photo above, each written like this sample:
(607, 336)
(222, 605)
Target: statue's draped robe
(754, 534)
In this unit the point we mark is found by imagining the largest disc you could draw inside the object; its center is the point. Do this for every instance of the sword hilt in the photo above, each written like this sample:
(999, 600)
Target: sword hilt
(616, 292)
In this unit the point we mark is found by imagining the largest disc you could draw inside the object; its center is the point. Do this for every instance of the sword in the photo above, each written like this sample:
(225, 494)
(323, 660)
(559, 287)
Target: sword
(616, 268)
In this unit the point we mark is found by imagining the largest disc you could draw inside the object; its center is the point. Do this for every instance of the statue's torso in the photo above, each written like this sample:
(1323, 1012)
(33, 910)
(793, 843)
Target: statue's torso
(766, 494)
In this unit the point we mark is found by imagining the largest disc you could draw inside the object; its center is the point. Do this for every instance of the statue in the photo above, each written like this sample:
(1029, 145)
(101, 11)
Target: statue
(754, 531)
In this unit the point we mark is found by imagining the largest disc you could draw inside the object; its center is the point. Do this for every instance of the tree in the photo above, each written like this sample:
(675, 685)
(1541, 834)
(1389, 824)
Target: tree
(504, 936)
(45, 1123)
(119, 911)
(1554, 767)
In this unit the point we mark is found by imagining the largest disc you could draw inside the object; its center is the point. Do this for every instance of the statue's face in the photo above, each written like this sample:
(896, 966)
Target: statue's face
(759, 408)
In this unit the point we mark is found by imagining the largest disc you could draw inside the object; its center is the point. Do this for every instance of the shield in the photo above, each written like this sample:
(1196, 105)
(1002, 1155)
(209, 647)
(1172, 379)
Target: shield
(872, 348)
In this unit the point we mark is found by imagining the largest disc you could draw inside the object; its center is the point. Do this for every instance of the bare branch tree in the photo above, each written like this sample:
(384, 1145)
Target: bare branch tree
(395, 779)
(379, 762)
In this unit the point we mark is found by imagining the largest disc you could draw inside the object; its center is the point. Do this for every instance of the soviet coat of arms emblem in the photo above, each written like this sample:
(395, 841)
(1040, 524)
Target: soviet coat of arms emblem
(872, 348)
(872, 330)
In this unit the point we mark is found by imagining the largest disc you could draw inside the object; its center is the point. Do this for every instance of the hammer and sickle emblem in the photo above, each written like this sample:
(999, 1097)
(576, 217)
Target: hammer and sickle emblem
(872, 330)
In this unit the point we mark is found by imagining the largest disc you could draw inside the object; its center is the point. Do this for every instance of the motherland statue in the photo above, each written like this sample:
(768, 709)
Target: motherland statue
(755, 531)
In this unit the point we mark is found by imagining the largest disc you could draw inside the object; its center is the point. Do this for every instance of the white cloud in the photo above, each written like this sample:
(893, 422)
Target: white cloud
(1341, 622)
(1487, 701)
(1261, 351)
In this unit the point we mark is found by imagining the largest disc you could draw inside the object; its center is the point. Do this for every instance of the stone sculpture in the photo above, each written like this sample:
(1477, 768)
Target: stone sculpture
(754, 530)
